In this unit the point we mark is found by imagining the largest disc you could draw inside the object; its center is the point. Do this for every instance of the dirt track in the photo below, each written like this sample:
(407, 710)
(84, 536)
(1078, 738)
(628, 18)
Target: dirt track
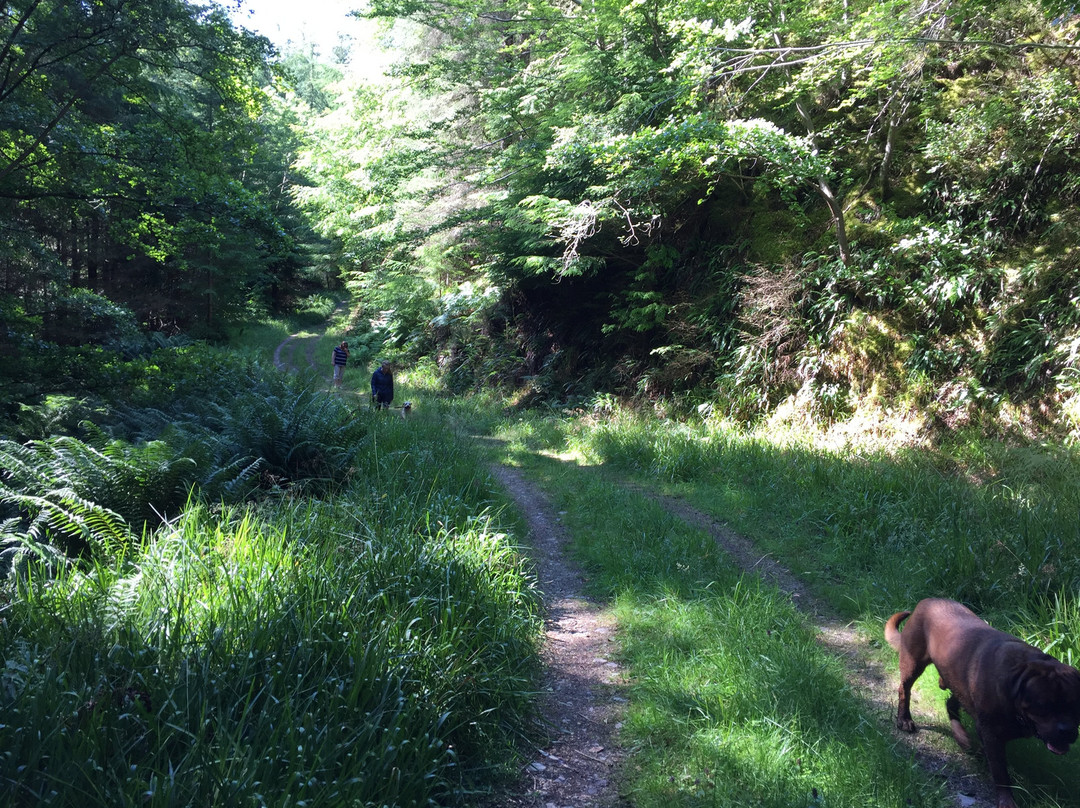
(285, 356)
(581, 696)
(581, 699)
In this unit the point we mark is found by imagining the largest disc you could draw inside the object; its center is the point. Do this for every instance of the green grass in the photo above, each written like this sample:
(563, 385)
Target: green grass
(873, 529)
(271, 659)
(370, 642)
(262, 336)
(728, 709)
(373, 639)
(732, 702)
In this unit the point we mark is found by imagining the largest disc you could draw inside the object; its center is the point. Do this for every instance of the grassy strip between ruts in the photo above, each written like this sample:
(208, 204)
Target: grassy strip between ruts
(733, 703)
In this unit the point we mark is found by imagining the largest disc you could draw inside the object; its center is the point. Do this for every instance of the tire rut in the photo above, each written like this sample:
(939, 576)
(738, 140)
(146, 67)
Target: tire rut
(931, 747)
(297, 350)
(581, 699)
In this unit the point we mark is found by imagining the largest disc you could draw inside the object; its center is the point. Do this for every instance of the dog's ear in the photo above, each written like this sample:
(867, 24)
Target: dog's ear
(1045, 680)
(1070, 680)
(1028, 674)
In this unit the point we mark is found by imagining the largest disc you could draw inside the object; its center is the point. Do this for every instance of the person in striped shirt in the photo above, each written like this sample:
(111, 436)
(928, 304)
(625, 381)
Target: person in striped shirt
(341, 356)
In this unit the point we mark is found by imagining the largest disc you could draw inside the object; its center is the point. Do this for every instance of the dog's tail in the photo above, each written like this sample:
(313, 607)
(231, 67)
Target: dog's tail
(892, 628)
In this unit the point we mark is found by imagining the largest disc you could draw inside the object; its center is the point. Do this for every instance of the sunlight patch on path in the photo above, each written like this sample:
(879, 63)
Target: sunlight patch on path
(285, 354)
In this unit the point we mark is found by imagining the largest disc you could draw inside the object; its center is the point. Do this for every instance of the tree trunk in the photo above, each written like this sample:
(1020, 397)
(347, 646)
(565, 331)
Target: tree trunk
(886, 159)
(826, 191)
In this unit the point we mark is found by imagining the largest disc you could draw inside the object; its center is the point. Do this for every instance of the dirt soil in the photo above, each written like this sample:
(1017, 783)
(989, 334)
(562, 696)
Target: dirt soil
(582, 697)
(582, 701)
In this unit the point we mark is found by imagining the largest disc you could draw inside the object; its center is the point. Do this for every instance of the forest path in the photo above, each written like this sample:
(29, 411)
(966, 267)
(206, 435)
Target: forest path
(297, 351)
(581, 698)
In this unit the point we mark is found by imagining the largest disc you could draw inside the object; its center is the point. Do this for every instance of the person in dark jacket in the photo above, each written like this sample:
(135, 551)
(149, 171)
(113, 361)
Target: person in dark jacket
(382, 386)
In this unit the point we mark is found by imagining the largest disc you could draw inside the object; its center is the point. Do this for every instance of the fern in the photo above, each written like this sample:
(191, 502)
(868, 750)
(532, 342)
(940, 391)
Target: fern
(62, 518)
(77, 496)
(233, 482)
(17, 547)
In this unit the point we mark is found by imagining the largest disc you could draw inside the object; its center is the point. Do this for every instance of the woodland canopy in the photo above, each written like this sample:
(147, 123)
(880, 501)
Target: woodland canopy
(843, 204)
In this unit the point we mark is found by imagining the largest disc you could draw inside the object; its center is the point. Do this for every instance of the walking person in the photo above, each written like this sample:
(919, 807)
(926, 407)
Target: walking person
(382, 385)
(341, 357)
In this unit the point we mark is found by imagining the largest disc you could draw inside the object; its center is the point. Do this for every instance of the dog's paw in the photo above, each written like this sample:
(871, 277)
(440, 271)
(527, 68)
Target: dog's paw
(906, 725)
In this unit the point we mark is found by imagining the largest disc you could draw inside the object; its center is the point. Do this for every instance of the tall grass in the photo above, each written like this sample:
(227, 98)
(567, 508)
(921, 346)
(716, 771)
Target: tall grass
(873, 528)
(287, 656)
(260, 334)
(226, 666)
(739, 706)
(373, 642)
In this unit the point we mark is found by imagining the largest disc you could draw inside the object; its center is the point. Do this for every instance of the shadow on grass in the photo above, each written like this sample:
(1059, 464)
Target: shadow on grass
(733, 702)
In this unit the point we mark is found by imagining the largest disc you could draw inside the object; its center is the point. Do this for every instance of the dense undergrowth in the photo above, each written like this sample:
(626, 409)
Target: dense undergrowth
(351, 625)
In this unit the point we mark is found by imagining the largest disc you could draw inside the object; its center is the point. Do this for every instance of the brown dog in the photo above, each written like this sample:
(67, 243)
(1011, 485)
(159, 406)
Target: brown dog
(1011, 689)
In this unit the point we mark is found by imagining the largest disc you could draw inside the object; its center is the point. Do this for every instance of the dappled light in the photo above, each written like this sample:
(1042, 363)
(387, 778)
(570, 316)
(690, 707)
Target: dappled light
(529, 406)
